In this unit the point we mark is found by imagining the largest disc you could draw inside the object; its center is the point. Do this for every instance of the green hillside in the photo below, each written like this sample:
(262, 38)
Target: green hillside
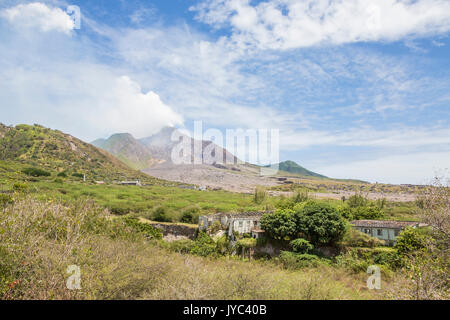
(292, 167)
(25, 148)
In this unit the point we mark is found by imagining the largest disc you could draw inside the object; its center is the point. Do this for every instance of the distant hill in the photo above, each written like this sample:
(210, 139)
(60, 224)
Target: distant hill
(127, 149)
(148, 152)
(293, 167)
(57, 152)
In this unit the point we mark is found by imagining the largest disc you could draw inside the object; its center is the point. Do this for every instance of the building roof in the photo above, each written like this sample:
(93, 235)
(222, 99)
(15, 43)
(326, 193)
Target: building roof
(258, 230)
(384, 224)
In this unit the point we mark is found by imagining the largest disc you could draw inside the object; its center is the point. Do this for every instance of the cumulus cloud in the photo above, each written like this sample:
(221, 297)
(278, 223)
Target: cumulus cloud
(128, 109)
(38, 15)
(285, 24)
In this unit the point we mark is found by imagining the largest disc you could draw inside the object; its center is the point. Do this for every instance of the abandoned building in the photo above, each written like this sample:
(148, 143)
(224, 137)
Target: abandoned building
(241, 223)
(384, 230)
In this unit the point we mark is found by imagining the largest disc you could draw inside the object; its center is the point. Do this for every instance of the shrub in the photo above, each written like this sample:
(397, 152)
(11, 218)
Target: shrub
(320, 223)
(190, 215)
(355, 238)
(5, 199)
(260, 195)
(120, 209)
(36, 172)
(62, 174)
(292, 260)
(279, 225)
(160, 214)
(300, 196)
(301, 246)
(78, 175)
(410, 240)
(204, 246)
(144, 228)
(368, 212)
(357, 200)
(20, 187)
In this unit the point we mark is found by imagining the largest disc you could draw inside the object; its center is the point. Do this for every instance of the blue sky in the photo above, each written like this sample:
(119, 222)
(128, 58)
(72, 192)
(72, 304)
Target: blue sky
(358, 89)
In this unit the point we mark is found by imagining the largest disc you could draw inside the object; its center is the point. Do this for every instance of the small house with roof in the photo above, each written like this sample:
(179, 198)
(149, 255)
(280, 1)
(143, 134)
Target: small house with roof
(384, 230)
(241, 223)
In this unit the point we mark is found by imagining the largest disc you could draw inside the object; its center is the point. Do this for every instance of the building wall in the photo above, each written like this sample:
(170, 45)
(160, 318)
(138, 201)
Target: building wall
(387, 234)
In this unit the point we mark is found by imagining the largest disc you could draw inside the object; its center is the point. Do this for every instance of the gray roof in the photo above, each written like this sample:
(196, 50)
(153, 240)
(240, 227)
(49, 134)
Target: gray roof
(384, 224)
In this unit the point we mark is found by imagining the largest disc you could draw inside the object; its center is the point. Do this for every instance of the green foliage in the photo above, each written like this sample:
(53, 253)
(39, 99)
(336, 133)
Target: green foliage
(260, 195)
(204, 246)
(5, 199)
(367, 212)
(356, 238)
(359, 259)
(62, 174)
(190, 215)
(279, 225)
(20, 187)
(144, 228)
(36, 172)
(320, 223)
(292, 260)
(410, 240)
(160, 214)
(357, 200)
(246, 243)
(301, 246)
(300, 196)
(120, 209)
(78, 175)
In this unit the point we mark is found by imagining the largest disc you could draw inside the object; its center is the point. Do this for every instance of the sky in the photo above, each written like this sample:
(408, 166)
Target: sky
(357, 88)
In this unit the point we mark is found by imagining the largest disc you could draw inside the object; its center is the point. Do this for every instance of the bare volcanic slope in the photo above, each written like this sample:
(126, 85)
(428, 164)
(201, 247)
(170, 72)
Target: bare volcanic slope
(127, 149)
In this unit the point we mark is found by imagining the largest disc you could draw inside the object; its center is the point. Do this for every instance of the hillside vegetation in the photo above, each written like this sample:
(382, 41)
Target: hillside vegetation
(53, 151)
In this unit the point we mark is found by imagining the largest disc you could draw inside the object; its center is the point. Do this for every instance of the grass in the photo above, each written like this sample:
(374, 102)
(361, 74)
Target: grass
(38, 240)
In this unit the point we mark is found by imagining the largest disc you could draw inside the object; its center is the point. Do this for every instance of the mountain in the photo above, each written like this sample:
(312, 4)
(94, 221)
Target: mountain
(156, 149)
(127, 149)
(292, 167)
(56, 152)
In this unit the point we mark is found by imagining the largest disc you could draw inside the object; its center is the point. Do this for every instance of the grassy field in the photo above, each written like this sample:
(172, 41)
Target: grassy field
(39, 239)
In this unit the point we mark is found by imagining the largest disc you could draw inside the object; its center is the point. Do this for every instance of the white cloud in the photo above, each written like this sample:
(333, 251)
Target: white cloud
(285, 24)
(127, 109)
(414, 168)
(38, 15)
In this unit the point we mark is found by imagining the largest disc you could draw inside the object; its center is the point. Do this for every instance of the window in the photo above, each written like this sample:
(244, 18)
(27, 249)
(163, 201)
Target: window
(379, 232)
(367, 231)
(240, 223)
(396, 232)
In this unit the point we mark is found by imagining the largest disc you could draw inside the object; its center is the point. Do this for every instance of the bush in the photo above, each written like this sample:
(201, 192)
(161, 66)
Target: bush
(279, 225)
(78, 175)
(320, 223)
(190, 215)
(120, 209)
(300, 196)
(36, 172)
(292, 260)
(160, 214)
(148, 230)
(410, 240)
(357, 200)
(356, 238)
(20, 187)
(260, 195)
(204, 246)
(5, 199)
(62, 174)
(301, 246)
(368, 212)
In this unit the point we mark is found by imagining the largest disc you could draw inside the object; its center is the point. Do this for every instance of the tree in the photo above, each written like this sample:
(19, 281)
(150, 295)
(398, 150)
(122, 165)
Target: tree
(410, 240)
(320, 223)
(357, 200)
(301, 246)
(279, 225)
